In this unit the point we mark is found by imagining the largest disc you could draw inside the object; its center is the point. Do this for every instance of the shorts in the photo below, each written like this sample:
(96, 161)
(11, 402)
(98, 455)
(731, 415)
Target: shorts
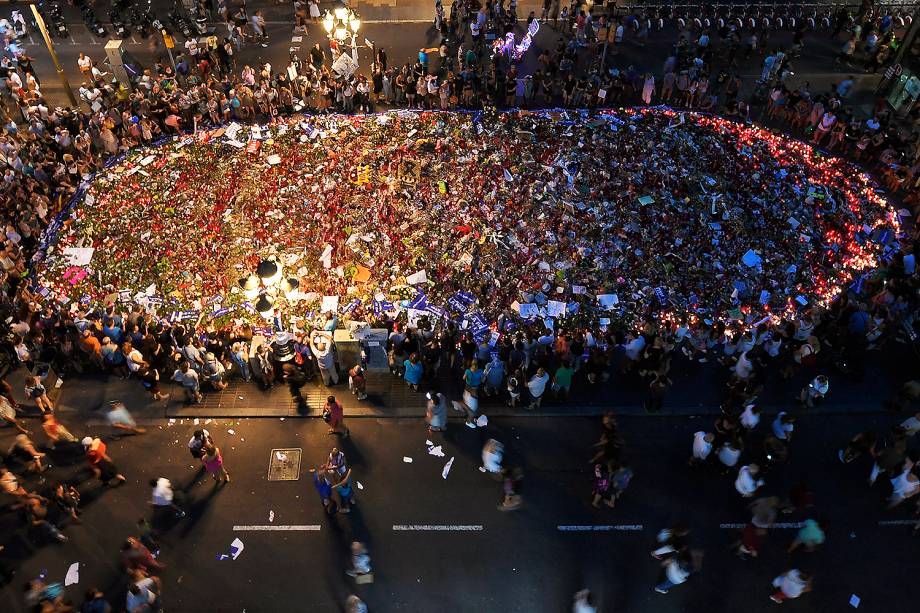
(37, 392)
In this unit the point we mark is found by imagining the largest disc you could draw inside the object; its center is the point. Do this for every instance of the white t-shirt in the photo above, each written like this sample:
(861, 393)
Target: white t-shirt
(911, 425)
(134, 360)
(675, 572)
(729, 455)
(163, 493)
(749, 419)
(745, 483)
(701, 447)
(537, 385)
(145, 596)
(792, 584)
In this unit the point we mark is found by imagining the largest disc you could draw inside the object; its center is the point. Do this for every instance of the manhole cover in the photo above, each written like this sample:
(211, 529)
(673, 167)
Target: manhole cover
(284, 465)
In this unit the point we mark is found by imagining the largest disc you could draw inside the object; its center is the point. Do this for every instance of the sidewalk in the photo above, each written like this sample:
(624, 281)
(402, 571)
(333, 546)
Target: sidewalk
(697, 390)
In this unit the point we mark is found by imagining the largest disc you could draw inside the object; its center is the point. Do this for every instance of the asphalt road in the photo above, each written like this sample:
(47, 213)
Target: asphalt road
(452, 549)
(402, 30)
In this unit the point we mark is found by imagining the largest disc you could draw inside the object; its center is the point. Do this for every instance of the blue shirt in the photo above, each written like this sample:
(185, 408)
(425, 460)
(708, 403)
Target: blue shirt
(413, 372)
(843, 90)
(113, 333)
(858, 321)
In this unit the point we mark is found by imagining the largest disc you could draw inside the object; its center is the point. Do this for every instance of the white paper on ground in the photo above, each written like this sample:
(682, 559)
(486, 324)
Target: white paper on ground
(482, 421)
(330, 304)
(416, 278)
(429, 443)
(447, 466)
(360, 487)
(407, 459)
(436, 451)
(73, 574)
(236, 548)
(854, 601)
(230, 431)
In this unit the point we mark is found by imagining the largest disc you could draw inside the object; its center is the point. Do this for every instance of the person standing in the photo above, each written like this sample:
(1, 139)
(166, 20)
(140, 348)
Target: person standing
(196, 444)
(413, 369)
(656, 392)
(186, 376)
(536, 387)
(99, 461)
(702, 447)
(648, 88)
(814, 392)
(213, 462)
(322, 348)
(334, 415)
(357, 382)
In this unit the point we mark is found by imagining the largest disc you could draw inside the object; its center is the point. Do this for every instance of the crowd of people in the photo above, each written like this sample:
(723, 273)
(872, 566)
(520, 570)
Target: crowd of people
(50, 150)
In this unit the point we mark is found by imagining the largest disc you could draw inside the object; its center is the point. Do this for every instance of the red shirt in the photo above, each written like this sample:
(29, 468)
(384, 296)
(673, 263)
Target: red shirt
(94, 455)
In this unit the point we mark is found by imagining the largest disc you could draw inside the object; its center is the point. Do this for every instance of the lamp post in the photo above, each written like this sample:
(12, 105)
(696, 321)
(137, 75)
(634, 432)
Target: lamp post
(268, 287)
(340, 24)
(54, 58)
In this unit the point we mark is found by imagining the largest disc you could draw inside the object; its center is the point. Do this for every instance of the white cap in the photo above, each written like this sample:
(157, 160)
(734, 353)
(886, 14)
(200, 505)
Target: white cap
(87, 441)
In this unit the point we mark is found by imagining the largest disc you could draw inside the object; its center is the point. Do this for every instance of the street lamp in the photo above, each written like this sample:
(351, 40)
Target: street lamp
(341, 24)
(268, 285)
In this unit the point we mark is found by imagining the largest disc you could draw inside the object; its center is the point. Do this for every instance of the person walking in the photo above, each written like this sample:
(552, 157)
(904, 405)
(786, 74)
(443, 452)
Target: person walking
(747, 482)
(162, 498)
(334, 415)
(360, 563)
(862, 442)
(810, 535)
(584, 600)
(99, 461)
(790, 585)
(213, 462)
(121, 419)
(674, 570)
(436, 412)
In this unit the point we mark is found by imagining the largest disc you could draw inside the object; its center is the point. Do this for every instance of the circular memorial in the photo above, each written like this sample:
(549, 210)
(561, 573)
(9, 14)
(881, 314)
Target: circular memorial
(590, 216)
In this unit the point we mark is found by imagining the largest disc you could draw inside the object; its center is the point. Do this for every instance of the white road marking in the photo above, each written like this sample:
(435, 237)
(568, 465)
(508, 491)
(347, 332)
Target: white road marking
(897, 522)
(602, 528)
(272, 528)
(783, 525)
(437, 527)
